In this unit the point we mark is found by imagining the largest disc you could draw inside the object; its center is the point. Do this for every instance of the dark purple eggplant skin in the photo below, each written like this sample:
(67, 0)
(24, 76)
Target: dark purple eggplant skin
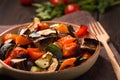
(24, 64)
(89, 45)
(24, 31)
(5, 49)
(29, 64)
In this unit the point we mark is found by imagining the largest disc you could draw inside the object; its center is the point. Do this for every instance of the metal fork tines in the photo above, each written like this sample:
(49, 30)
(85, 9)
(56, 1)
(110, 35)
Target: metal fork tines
(103, 37)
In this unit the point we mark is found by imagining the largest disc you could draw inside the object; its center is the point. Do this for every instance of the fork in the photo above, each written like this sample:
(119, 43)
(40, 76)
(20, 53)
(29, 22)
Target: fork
(103, 37)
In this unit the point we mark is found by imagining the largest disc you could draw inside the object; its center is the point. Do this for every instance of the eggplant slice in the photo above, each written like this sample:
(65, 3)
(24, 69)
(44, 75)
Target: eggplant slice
(5, 50)
(89, 45)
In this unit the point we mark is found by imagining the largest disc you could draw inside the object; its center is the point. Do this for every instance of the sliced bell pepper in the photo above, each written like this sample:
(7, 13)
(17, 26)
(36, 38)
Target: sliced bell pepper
(7, 61)
(68, 63)
(16, 52)
(81, 31)
(66, 40)
(62, 28)
(22, 40)
(9, 36)
(34, 53)
(41, 26)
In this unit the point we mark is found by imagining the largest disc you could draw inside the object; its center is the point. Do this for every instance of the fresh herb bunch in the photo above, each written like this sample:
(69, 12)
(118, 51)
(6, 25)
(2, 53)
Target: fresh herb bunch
(48, 11)
(97, 5)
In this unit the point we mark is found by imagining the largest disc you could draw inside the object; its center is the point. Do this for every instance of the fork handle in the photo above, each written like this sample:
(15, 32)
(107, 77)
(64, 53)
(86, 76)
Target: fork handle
(113, 60)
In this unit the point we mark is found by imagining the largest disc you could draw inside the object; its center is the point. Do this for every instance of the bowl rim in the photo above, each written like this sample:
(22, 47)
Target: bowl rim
(48, 72)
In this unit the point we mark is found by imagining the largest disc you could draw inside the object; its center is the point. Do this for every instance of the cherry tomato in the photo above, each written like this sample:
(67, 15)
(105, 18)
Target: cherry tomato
(56, 2)
(71, 8)
(26, 2)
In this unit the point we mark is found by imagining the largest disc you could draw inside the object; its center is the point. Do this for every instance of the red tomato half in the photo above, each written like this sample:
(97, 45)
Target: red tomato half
(71, 8)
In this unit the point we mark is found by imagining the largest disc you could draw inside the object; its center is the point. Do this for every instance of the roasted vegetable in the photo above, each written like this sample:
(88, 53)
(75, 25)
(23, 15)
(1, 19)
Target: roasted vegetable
(89, 45)
(7, 61)
(41, 26)
(24, 31)
(9, 36)
(56, 51)
(81, 31)
(34, 53)
(43, 42)
(62, 28)
(66, 40)
(34, 35)
(35, 69)
(72, 33)
(68, 45)
(68, 63)
(83, 57)
(22, 40)
(47, 32)
(16, 52)
(21, 63)
(5, 50)
(53, 65)
(70, 50)
(18, 63)
(34, 25)
(46, 38)
(44, 61)
(29, 64)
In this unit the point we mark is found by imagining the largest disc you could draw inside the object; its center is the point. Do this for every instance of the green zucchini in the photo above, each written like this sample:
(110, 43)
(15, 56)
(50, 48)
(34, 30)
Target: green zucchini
(44, 61)
(35, 69)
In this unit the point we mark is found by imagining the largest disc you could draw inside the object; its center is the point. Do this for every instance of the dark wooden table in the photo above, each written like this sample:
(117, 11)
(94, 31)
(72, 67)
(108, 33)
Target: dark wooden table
(12, 13)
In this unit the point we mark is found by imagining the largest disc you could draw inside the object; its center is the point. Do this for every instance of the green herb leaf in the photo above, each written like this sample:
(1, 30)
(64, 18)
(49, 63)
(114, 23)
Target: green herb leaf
(56, 51)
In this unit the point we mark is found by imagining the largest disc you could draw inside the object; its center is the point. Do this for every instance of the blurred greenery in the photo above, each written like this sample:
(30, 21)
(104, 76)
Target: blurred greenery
(47, 11)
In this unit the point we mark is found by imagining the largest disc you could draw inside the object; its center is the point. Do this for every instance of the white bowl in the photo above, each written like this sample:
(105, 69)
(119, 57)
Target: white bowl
(56, 75)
